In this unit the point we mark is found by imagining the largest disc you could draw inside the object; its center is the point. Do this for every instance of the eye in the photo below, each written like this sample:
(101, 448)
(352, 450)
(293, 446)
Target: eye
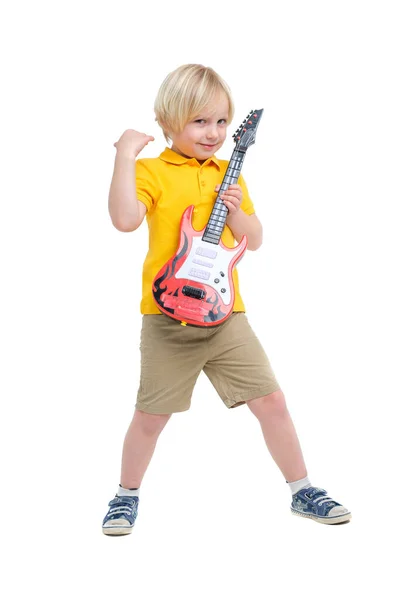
(221, 121)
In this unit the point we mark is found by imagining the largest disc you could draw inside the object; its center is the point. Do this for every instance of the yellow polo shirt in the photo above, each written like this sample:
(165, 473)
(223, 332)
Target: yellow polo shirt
(167, 185)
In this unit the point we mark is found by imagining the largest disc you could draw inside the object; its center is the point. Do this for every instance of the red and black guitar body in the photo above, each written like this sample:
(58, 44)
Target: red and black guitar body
(196, 286)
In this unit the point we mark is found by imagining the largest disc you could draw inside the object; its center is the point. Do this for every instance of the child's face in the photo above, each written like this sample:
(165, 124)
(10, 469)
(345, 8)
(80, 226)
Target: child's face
(204, 134)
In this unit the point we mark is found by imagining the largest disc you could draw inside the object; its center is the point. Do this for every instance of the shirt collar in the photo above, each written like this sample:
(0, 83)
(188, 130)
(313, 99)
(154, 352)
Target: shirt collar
(176, 159)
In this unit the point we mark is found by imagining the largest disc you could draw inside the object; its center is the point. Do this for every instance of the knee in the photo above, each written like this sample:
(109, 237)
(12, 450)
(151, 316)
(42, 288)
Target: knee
(151, 424)
(272, 405)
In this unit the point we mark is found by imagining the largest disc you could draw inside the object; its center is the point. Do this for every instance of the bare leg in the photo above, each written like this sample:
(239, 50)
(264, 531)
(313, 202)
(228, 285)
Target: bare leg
(279, 434)
(139, 445)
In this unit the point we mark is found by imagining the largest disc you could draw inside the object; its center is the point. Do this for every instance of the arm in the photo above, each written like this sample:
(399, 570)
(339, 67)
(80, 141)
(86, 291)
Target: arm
(126, 211)
(238, 221)
(241, 224)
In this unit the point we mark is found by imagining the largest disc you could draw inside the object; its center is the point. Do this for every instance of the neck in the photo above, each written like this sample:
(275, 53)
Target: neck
(199, 160)
(216, 222)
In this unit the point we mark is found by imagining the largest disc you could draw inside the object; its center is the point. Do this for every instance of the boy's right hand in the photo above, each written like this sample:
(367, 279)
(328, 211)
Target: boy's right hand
(132, 142)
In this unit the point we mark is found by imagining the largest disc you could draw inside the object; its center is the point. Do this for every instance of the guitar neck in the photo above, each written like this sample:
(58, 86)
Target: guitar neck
(217, 220)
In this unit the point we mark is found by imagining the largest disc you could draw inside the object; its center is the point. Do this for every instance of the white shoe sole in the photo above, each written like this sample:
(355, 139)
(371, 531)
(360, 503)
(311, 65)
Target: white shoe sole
(326, 520)
(117, 530)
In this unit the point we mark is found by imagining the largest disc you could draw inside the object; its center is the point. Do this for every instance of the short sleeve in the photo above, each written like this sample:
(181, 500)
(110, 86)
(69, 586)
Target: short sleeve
(147, 189)
(246, 205)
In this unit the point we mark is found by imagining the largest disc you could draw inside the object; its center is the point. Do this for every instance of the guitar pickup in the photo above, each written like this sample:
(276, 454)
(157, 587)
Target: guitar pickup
(193, 292)
(200, 273)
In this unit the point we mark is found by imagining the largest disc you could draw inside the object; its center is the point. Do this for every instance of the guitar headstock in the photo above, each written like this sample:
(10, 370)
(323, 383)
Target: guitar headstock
(245, 135)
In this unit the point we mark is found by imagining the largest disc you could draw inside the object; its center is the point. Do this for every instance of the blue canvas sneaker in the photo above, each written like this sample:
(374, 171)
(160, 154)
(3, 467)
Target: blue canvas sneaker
(314, 503)
(121, 515)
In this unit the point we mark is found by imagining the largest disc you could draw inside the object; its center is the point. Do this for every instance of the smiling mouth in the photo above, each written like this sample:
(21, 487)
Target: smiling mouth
(209, 145)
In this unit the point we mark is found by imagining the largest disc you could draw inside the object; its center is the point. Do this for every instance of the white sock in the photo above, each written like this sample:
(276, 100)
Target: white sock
(295, 486)
(127, 491)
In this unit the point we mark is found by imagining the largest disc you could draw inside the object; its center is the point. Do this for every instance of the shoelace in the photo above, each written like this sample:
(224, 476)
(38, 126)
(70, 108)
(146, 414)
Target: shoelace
(321, 500)
(126, 511)
(122, 508)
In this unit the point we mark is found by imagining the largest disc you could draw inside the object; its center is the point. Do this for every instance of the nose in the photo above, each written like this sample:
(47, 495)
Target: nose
(212, 133)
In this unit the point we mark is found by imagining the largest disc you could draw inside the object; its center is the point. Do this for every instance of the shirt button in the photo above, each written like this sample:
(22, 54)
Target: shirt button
(203, 183)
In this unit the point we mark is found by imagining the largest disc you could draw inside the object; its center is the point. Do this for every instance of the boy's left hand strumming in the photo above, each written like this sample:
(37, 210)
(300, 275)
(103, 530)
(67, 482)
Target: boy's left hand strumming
(232, 197)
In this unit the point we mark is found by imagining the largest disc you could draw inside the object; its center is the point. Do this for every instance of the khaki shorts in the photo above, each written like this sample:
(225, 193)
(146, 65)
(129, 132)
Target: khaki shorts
(172, 356)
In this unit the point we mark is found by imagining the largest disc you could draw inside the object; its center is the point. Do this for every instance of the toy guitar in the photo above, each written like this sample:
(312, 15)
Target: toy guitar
(195, 286)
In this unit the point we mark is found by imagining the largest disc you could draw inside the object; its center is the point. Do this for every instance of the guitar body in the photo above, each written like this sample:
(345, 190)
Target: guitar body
(195, 286)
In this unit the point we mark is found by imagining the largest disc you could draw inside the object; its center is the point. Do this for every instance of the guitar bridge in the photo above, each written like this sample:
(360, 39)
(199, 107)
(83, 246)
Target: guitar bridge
(192, 292)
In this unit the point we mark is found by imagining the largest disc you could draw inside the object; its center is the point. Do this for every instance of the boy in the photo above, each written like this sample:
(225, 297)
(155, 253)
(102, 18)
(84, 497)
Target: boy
(194, 108)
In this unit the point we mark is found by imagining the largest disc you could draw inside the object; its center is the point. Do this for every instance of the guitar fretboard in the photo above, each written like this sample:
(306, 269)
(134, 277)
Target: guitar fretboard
(216, 222)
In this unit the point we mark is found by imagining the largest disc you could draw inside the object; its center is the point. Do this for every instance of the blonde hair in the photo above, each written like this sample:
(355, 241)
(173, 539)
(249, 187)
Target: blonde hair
(184, 93)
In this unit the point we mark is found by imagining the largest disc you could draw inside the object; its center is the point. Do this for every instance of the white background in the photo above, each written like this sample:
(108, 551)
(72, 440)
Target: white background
(322, 294)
